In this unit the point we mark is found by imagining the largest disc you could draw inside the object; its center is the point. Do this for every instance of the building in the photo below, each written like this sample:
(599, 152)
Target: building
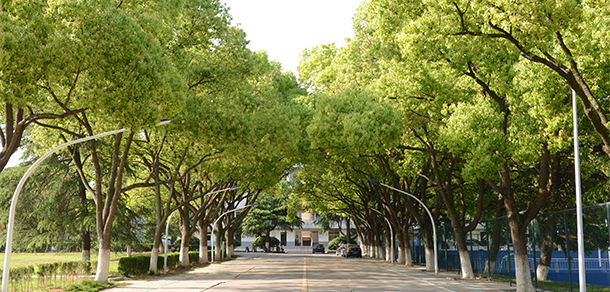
(303, 238)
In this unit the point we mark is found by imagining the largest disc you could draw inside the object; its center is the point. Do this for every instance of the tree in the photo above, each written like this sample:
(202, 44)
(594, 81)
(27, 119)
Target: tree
(271, 212)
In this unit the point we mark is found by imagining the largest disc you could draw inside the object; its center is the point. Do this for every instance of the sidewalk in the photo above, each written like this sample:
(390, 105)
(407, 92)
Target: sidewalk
(453, 281)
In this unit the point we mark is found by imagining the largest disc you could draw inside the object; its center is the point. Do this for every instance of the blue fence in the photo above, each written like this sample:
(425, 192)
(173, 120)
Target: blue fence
(556, 230)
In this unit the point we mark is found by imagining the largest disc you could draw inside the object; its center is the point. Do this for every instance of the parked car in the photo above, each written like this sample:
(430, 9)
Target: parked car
(352, 250)
(318, 247)
(340, 250)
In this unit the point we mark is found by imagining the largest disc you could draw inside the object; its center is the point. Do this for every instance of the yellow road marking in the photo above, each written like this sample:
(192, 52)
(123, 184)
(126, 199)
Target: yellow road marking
(304, 288)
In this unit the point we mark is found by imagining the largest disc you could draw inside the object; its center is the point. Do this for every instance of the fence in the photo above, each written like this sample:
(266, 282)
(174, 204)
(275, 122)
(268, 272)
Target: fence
(552, 234)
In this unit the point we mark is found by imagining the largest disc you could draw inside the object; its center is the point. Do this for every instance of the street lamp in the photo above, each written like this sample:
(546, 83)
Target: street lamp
(582, 281)
(391, 232)
(429, 214)
(201, 234)
(165, 241)
(221, 215)
(11, 215)
(368, 251)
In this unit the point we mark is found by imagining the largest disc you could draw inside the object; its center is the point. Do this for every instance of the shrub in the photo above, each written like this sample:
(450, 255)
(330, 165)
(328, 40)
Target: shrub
(260, 242)
(88, 286)
(335, 243)
(138, 265)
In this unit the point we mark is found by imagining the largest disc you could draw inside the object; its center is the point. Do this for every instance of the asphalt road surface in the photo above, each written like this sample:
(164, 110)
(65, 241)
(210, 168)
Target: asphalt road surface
(300, 272)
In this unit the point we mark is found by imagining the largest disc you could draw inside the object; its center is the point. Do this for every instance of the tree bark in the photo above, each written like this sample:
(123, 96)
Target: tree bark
(408, 255)
(546, 254)
(401, 247)
(203, 243)
(184, 246)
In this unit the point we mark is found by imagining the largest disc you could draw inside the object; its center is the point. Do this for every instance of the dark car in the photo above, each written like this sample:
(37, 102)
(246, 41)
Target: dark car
(318, 247)
(352, 250)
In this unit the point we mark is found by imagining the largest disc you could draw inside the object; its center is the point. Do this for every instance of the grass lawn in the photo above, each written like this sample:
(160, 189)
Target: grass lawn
(27, 259)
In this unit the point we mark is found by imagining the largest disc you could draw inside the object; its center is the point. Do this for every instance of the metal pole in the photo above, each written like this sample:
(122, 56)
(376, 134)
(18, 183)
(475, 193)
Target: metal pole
(391, 240)
(391, 234)
(165, 242)
(225, 213)
(431, 220)
(11, 216)
(579, 221)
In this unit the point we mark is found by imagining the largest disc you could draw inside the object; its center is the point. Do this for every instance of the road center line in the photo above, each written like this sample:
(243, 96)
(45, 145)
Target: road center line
(304, 287)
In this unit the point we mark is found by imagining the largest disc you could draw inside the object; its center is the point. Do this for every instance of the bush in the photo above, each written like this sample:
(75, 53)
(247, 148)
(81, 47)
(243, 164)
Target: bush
(260, 242)
(335, 243)
(138, 265)
(88, 286)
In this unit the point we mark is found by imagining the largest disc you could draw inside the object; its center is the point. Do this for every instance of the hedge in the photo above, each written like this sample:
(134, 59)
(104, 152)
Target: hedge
(335, 243)
(138, 265)
(260, 242)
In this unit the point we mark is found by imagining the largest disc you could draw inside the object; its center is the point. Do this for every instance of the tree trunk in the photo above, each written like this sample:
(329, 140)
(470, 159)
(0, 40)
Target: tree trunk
(203, 244)
(496, 239)
(86, 245)
(103, 262)
(429, 248)
(154, 253)
(408, 256)
(546, 254)
(128, 251)
(230, 244)
(388, 247)
(401, 248)
(378, 247)
(522, 269)
(217, 251)
(465, 263)
(348, 233)
(184, 250)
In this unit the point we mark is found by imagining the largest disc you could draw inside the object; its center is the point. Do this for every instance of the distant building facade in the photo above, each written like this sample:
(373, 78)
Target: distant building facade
(303, 238)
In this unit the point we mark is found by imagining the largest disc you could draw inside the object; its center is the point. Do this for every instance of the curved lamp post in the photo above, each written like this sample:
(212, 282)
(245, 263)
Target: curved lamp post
(362, 219)
(11, 215)
(170, 219)
(165, 242)
(391, 231)
(221, 215)
(429, 214)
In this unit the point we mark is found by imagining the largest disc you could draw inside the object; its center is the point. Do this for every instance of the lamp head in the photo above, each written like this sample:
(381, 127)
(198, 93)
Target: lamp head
(374, 181)
(164, 122)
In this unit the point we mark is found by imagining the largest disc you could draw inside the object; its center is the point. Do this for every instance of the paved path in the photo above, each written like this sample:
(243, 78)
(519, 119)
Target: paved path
(301, 272)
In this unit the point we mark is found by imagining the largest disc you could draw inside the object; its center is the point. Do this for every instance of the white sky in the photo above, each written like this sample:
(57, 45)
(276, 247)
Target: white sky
(284, 28)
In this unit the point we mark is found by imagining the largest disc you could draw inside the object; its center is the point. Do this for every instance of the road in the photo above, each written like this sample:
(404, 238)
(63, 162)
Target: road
(302, 272)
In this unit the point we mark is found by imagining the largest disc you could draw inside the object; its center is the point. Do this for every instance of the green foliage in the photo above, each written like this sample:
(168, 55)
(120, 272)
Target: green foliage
(260, 242)
(270, 212)
(139, 265)
(88, 286)
(335, 243)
